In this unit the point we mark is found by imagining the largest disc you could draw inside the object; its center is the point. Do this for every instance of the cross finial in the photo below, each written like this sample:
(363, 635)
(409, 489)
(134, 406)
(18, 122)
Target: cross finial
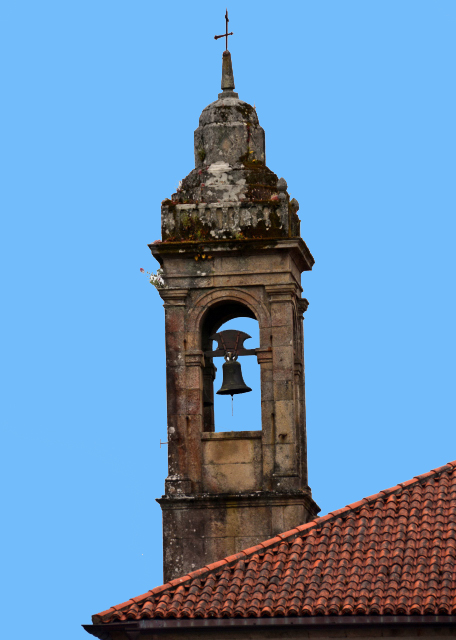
(226, 34)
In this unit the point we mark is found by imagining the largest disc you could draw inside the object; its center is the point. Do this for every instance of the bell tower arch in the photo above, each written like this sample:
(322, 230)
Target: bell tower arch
(230, 248)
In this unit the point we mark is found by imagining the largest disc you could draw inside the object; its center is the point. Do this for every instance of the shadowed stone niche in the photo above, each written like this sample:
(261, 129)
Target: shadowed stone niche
(230, 248)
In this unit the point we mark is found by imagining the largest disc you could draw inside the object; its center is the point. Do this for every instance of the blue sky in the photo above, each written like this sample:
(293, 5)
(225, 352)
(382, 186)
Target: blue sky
(100, 101)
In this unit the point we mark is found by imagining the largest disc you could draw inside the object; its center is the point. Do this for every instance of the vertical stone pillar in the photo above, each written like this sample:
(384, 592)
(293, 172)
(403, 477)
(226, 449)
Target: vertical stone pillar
(178, 481)
(194, 363)
(302, 308)
(209, 372)
(264, 358)
(282, 304)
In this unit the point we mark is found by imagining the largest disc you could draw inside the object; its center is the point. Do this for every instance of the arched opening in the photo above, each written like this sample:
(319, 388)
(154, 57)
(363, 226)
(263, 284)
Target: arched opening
(221, 413)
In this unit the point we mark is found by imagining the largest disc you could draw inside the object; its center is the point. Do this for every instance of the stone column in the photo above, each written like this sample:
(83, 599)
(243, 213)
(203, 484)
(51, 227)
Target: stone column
(303, 303)
(282, 303)
(209, 372)
(194, 363)
(178, 481)
(264, 357)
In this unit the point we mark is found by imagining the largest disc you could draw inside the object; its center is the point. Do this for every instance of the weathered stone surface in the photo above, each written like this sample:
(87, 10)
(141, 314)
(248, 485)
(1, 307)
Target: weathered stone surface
(227, 73)
(229, 448)
(230, 477)
(232, 461)
(234, 219)
(202, 529)
(229, 131)
(231, 193)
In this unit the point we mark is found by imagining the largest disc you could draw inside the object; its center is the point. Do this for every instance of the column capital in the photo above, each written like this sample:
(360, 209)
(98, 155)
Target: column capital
(173, 297)
(298, 367)
(264, 355)
(194, 358)
(303, 304)
(282, 292)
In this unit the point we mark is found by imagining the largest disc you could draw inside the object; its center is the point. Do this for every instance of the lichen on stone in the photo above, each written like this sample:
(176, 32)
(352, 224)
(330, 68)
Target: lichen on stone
(231, 193)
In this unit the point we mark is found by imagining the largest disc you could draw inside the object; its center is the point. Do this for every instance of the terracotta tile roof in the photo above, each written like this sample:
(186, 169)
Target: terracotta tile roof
(393, 553)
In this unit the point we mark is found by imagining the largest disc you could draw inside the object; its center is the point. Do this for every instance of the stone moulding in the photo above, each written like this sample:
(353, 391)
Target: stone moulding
(228, 220)
(232, 435)
(191, 248)
(253, 498)
(194, 358)
(174, 297)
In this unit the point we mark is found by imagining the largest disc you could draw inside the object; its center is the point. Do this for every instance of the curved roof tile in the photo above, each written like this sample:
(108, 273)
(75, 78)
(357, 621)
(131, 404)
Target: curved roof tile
(393, 553)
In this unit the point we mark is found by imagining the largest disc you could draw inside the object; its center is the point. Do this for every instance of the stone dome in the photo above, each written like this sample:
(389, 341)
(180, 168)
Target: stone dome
(229, 131)
(230, 170)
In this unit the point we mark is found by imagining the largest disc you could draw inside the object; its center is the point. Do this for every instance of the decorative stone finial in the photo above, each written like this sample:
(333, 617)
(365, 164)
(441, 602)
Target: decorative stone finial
(227, 77)
(227, 71)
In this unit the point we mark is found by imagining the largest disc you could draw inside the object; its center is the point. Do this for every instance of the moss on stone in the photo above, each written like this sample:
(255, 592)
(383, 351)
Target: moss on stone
(190, 228)
(246, 110)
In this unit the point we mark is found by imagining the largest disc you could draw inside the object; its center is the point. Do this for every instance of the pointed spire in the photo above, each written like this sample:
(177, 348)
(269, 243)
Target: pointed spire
(227, 77)
(227, 71)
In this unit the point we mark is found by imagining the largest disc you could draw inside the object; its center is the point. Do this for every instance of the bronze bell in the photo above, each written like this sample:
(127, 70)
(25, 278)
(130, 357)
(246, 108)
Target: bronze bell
(233, 381)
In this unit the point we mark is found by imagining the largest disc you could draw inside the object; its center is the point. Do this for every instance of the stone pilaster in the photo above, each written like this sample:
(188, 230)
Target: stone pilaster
(178, 480)
(282, 299)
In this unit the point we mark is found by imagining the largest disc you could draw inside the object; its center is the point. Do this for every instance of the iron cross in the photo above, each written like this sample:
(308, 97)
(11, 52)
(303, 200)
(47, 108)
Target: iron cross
(226, 34)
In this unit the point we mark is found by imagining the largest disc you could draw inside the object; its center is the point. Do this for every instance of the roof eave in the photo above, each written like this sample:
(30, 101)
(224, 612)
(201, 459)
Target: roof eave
(103, 631)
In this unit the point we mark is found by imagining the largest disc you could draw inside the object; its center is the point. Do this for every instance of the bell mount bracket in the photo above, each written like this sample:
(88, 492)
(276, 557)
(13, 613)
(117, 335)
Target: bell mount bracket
(232, 341)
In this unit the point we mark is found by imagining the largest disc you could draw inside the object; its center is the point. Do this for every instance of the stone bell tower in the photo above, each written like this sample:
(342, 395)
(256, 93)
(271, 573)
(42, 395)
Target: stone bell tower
(231, 247)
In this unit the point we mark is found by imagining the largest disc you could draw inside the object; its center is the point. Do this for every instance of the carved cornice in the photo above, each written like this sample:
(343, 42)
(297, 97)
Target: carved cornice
(182, 250)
